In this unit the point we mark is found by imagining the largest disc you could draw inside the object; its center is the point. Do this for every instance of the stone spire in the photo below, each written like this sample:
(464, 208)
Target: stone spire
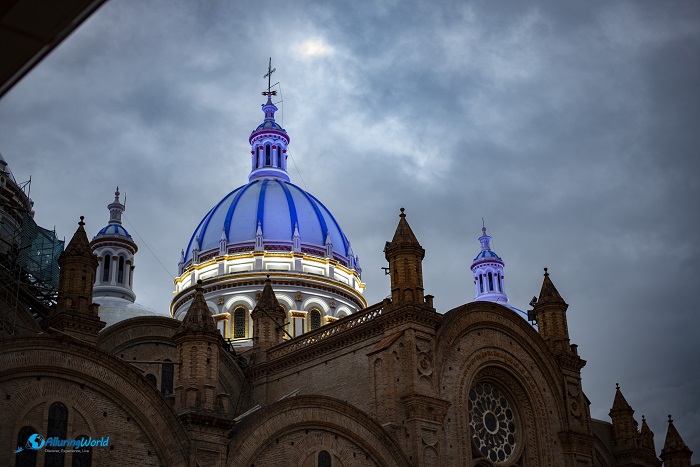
(675, 452)
(550, 311)
(405, 256)
(75, 314)
(487, 269)
(268, 319)
(198, 343)
(624, 425)
(646, 437)
(198, 317)
(223, 242)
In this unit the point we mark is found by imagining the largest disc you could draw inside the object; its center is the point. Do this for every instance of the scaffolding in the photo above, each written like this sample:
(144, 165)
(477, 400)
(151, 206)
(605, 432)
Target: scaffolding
(28, 270)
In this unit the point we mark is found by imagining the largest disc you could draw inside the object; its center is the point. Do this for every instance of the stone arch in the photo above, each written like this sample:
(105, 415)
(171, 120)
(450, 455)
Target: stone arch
(327, 420)
(239, 299)
(151, 329)
(59, 361)
(487, 340)
(315, 302)
(285, 300)
(342, 311)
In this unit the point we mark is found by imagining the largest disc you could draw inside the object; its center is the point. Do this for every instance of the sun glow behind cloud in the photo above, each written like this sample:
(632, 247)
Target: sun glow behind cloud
(314, 48)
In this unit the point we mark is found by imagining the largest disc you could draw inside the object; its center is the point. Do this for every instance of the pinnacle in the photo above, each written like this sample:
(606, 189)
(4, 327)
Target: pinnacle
(198, 317)
(549, 293)
(674, 442)
(620, 403)
(79, 245)
(268, 300)
(404, 235)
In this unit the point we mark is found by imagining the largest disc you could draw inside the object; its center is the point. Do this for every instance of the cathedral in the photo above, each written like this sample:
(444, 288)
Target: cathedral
(270, 355)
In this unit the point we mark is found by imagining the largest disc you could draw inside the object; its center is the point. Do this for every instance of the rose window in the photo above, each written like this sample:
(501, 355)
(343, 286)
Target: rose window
(491, 422)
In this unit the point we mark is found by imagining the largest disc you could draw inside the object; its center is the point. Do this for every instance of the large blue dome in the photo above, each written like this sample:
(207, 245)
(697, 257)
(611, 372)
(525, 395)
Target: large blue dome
(277, 206)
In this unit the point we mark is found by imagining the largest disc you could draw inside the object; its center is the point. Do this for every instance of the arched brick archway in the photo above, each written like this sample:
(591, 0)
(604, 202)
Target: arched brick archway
(299, 427)
(41, 363)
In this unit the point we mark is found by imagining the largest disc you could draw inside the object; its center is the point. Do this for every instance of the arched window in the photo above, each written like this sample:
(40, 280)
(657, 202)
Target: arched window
(166, 377)
(57, 426)
(26, 458)
(324, 459)
(82, 457)
(481, 283)
(314, 319)
(279, 156)
(239, 324)
(120, 270)
(267, 155)
(498, 282)
(106, 266)
(151, 379)
(490, 282)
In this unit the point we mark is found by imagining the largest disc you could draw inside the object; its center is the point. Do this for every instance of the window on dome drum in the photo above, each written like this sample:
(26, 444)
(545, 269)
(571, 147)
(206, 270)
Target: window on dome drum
(498, 282)
(166, 377)
(120, 270)
(279, 157)
(490, 282)
(324, 459)
(239, 324)
(82, 457)
(57, 426)
(481, 283)
(267, 155)
(106, 266)
(314, 319)
(26, 458)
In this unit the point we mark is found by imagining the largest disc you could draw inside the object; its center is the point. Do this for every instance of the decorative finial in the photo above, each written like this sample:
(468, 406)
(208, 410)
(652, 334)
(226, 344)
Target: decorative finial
(617, 385)
(643, 419)
(546, 274)
(268, 75)
(670, 420)
(483, 226)
(402, 213)
(199, 283)
(81, 223)
(268, 277)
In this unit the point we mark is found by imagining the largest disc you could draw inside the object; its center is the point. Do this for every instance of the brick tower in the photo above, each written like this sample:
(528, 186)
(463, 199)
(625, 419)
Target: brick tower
(75, 314)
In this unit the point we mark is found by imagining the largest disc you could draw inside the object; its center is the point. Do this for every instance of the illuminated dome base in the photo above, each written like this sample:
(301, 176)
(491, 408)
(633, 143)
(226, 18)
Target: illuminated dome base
(313, 291)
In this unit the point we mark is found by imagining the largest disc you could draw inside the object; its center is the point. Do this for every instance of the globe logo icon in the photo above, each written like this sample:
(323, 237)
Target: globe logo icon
(36, 442)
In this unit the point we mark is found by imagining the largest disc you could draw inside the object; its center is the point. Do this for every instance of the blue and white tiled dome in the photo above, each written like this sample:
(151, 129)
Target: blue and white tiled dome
(276, 206)
(269, 213)
(270, 229)
(113, 229)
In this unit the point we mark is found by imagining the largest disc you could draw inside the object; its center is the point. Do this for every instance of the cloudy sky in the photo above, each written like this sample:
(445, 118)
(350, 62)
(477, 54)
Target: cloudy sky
(573, 128)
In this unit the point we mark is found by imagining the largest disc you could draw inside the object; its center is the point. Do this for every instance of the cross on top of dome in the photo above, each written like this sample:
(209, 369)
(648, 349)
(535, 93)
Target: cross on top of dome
(268, 142)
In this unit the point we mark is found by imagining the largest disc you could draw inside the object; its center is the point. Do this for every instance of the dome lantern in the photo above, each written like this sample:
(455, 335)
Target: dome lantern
(487, 268)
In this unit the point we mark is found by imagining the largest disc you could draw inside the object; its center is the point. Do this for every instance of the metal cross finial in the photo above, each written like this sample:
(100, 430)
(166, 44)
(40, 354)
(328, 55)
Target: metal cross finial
(268, 75)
